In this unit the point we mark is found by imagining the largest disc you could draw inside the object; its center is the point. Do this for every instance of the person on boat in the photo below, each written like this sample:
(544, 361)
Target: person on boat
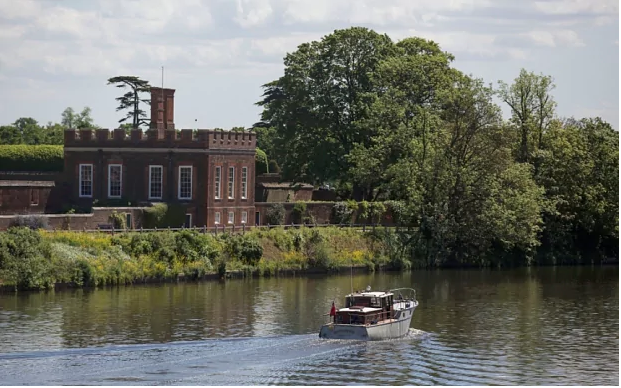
(333, 312)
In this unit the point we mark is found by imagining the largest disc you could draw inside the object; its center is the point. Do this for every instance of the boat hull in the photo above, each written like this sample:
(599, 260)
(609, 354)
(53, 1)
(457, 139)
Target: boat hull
(397, 328)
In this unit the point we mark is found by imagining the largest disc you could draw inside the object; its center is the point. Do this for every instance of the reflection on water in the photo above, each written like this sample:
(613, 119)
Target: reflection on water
(531, 326)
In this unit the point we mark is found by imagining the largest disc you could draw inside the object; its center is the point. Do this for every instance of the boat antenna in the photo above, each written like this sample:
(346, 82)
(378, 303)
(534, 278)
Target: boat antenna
(351, 277)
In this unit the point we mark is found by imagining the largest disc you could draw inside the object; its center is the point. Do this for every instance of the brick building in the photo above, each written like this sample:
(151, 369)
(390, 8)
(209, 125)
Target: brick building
(209, 173)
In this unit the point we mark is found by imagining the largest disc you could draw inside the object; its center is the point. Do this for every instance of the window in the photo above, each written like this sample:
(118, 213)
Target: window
(34, 197)
(185, 182)
(115, 172)
(128, 220)
(155, 182)
(188, 221)
(231, 217)
(244, 217)
(217, 218)
(86, 180)
(217, 182)
(231, 182)
(244, 183)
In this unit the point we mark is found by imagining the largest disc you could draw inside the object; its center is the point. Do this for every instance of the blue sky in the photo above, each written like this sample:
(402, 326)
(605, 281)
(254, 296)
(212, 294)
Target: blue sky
(217, 53)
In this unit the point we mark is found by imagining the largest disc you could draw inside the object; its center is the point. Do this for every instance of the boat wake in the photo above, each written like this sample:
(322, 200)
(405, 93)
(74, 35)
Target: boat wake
(418, 358)
(227, 361)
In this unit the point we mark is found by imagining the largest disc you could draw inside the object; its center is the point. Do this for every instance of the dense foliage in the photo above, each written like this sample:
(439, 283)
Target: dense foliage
(31, 157)
(31, 259)
(261, 164)
(395, 121)
(27, 130)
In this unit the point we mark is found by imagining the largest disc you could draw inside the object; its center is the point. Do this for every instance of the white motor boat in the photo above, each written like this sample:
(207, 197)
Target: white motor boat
(368, 315)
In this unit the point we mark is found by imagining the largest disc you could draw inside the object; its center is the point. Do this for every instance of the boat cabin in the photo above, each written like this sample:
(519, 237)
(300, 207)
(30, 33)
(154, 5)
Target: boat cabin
(366, 308)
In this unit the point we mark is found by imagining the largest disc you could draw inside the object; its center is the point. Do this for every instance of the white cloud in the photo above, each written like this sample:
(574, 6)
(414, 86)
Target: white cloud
(555, 38)
(570, 7)
(95, 39)
(252, 13)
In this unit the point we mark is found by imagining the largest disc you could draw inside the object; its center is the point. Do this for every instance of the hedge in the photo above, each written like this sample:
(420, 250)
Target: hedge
(261, 166)
(21, 157)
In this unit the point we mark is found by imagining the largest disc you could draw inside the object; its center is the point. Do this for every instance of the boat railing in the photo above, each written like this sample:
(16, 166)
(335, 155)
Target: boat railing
(410, 293)
(362, 319)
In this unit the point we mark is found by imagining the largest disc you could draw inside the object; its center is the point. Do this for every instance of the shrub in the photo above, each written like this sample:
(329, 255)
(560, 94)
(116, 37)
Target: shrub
(342, 212)
(32, 221)
(23, 157)
(376, 212)
(244, 248)
(118, 220)
(261, 165)
(398, 211)
(161, 215)
(299, 210)
(25, 259)
(275, 214)
(365, 210)
(273, 167)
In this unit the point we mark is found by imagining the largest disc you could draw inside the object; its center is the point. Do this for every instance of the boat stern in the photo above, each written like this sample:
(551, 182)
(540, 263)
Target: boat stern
(344, 332)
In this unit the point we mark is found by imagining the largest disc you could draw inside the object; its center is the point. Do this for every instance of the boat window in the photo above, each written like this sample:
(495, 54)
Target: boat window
(376, 302)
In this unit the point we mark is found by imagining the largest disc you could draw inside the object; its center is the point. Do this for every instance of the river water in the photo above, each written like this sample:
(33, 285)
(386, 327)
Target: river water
(546, 326)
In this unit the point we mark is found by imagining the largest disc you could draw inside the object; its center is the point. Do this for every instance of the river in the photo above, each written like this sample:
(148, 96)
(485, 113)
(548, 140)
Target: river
(537, 326)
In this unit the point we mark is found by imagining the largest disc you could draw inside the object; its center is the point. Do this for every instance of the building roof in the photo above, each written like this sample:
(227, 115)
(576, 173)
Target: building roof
(22, 183)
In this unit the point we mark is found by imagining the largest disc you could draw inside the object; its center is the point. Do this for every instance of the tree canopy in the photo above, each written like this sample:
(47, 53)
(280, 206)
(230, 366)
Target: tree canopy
(131, 100)
(396, 121)
(26, 130)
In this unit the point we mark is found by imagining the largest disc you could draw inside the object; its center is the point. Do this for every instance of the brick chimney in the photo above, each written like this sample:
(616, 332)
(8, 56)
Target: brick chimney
(162, 109)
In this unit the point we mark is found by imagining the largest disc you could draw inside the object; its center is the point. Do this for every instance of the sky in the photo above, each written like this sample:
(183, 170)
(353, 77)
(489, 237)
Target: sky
(56, 54)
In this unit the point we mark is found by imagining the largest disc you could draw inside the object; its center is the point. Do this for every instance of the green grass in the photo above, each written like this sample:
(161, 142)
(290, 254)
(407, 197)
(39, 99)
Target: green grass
(97, 259)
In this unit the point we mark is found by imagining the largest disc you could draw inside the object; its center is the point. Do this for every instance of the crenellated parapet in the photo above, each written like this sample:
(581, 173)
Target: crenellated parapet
(160, 138)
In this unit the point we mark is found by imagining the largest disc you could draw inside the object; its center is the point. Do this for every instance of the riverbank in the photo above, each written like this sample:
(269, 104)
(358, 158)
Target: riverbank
(41, 259)
(36, 260)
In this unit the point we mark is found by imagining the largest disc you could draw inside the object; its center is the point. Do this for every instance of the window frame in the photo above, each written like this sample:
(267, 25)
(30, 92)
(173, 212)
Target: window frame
(81, 180)
(216, 218)
(161, 168)
(179, 183)
(244, 183)
(244, 217)
(120, 180)
(218, 182)
(189, 224)
(34, 197)
(231, 182)
(231, 220)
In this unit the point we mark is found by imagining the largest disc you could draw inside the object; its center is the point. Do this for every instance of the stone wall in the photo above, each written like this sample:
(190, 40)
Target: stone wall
(321, 211)
(100, 217)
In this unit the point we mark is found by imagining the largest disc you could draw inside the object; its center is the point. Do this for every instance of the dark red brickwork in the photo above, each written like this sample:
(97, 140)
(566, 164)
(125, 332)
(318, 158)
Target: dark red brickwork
(162, 145)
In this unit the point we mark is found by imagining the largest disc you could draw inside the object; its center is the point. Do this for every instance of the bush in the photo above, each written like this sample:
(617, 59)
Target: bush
(161, 215)
(398, 211)
(118, 220)
(32, 221)
(23, 157)
(275, 215)
(244, 248)
(273, 167)
(25, 259)
(261, 165)
(299, 210)
(342, 212)
(376, 212)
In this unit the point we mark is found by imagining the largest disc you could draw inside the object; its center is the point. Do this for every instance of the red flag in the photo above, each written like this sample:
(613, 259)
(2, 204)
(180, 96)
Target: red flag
(333, 310)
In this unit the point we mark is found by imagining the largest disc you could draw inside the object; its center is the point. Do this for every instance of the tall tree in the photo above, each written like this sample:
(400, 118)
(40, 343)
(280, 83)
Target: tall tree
(131, 100)
(532, 109)
(316, 106)
(68, 119)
